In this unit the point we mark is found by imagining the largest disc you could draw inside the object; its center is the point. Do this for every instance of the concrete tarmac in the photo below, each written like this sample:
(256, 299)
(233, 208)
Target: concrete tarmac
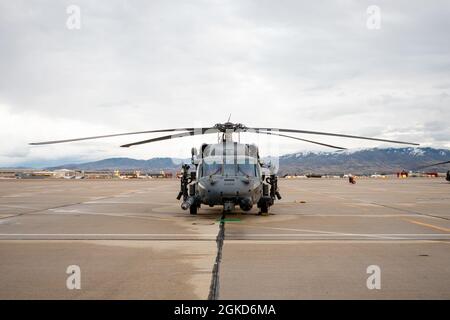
(131, 240)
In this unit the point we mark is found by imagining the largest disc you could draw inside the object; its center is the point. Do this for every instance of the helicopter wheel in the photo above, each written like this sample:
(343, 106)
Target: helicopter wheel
(193, 209)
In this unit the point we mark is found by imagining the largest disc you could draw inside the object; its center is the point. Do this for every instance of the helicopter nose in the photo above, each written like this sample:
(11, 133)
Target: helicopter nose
(225, 188)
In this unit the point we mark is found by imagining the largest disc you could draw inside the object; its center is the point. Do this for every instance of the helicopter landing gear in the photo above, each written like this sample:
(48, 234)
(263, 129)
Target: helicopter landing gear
(193, 209)
(264, 204)
(264, 209)
(228, 206)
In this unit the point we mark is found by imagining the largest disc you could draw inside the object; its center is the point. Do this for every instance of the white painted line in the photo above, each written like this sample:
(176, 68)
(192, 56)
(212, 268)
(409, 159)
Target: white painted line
(431, 235)
(107, 234)
(340, 234)
(124, 215)
(333, 233)
(368, 215)
(17, 207)
(116, 202)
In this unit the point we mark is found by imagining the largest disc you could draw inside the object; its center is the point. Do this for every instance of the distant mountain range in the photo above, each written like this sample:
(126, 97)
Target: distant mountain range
(153, 164)
(380, 160)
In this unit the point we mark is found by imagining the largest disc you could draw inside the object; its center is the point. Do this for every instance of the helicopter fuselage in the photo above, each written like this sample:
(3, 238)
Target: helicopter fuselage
(236, 183)
(228, 174)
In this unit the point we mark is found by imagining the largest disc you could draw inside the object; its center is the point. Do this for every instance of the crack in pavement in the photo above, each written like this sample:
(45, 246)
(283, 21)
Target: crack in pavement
(410, 211)
(214, 287)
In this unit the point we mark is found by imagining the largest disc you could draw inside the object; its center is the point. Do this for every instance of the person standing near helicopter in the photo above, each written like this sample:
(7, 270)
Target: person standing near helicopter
(351, 179)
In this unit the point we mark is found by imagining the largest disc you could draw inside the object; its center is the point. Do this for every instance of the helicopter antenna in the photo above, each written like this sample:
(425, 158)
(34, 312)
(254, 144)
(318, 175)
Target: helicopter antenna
(229, 118)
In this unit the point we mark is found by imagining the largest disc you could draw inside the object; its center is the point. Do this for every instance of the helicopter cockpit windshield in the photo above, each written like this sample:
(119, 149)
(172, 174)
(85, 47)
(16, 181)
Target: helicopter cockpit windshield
(211, 168)
(247, 169)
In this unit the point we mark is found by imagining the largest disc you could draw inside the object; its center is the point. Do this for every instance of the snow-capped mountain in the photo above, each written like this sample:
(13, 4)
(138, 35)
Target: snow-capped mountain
(362, 160)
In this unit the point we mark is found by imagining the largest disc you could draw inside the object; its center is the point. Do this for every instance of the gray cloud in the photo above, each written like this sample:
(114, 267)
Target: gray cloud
(150, 64)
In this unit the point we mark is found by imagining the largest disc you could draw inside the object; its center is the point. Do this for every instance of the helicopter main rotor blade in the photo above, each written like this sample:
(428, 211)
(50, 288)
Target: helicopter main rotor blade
(296, 138)
(113, 135)
(434, 164)
(334, 135)
(172, 136)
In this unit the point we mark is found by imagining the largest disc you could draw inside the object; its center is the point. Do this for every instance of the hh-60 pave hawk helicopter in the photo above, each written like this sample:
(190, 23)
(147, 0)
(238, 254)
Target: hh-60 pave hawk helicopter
(227, 173)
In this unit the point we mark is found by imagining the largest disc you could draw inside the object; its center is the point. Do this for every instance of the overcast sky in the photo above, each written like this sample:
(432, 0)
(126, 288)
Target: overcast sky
(143, 65)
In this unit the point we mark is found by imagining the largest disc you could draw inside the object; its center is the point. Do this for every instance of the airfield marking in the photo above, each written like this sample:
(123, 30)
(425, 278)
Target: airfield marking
(413, 212)
(129, 215)
(17, 206)
(107, 234)
(68, 205)
(114, 202)
(366, 215)
(318, 232)
(428, 225)
(332, 194)
(212, 237)
(348, 234)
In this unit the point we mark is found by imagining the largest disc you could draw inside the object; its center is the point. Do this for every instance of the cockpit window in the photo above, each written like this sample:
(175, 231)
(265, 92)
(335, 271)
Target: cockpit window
(229, 169)
(246, 169)
(211, 168)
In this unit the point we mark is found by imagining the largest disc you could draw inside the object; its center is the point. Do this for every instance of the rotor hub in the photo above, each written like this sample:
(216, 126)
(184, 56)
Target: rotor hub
(229, 126)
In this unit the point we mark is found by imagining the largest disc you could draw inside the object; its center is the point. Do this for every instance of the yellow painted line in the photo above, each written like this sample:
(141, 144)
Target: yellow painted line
(429, 225)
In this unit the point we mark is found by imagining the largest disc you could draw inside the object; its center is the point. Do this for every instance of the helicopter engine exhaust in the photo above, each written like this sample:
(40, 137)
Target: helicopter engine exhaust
(245, 204)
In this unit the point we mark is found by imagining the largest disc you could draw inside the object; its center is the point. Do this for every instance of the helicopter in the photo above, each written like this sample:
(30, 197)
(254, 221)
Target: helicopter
(227, 173)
